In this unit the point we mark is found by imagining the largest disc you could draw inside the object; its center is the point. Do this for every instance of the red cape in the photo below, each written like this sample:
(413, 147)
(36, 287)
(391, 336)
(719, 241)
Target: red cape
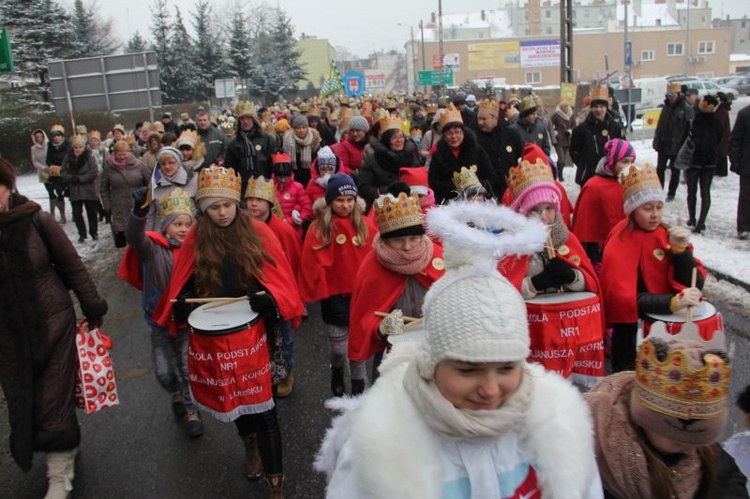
(289, 239)
(598, 209)
(278, 278)
(566, 207)
(130, 266)
(377, 289)
(629, 253)
(331, 270)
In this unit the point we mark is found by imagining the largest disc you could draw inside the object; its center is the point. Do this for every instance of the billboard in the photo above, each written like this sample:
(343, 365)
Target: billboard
(540, 53)
(495, 55)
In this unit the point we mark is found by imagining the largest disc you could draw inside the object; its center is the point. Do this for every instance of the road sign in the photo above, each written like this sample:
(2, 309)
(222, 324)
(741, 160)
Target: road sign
(354, 83)
(628, 53)
(225, 88)
(433, 77)
(6, 58)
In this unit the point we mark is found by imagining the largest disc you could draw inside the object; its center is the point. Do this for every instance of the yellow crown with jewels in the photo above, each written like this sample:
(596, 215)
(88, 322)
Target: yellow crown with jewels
(389, 122)
(177, 202)
(677, 387)
(600, 93)
(395, 213)
(527, 103)
(465, 178)
(526, 174)
(490, 106)
(95, 134)
(219, 182)
(57, 128)
(147, 125)
(245, 108)
(431, 108)
(450, 115)
(639, 179)
(81, 130)
(118, 126)
(261, 188)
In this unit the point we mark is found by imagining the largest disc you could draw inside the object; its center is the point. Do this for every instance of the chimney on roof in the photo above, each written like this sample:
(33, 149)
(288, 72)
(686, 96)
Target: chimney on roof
(483, 17)
(433, 19)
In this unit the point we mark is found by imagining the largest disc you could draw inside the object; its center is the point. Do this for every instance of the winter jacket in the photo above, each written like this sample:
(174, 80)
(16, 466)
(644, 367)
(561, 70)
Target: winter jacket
(39, 156)
(249, 153)
(706, 133)
(587, 144)
(117, 187)
(350, 155)
(536, 133)
(444, 164)
(293, 196)
(81, 174)
(187, 181)
(722, 114)
(563, 125)
(37, 329)
(55, 156)
(216, 143)
(381, 169)
(739, 144)
(673, 126)
(503, 146)
(382, 446)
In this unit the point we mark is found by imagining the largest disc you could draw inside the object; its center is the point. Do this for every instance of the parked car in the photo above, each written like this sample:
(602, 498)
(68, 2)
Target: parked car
(740, 83)
(708, 87)
(723, 80)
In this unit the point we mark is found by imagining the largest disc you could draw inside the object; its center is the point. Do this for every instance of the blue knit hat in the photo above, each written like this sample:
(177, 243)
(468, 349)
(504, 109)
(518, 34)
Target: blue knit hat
(340, 184)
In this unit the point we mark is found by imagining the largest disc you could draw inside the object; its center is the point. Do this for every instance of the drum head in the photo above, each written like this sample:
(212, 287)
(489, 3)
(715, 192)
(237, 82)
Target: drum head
(702, 311)
(226, 318)
(411, 334)
(566, 297)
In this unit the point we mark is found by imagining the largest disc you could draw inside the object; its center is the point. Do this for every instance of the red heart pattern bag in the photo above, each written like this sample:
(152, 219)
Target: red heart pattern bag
(96, 388)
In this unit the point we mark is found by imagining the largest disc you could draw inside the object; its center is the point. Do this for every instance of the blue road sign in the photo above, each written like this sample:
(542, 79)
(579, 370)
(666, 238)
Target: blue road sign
(354, 83)
(628, 53)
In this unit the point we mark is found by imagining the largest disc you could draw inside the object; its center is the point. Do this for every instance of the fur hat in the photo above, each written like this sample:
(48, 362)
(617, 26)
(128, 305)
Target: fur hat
(473, 313)
(616, 150)
(282, 125)
(359, 123)
(7, 174)
(300, 120)
(340, 185)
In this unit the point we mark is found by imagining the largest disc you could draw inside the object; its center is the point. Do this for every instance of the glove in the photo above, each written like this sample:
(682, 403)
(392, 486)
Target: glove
(139, 198)
(263, 304)
(323, 181)
(689, 297)
(679, 236)
(544, 280)
(95, 322)
(75, 180)
(296, 217)
(181, 309)
(392, 323)
(561, 271)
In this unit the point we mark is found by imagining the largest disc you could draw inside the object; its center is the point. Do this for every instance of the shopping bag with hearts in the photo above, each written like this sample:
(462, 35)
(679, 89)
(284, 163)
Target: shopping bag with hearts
(95, 384)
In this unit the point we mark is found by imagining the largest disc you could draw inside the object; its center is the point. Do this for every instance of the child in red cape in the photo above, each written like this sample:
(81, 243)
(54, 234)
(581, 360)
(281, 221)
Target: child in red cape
(293, 199)
(647, 266)
(323, 166)
(335, 245)
(394, 277)
(600, 204)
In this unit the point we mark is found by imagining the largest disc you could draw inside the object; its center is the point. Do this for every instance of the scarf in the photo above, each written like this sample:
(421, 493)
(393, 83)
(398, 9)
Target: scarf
(558, 231)
(621, 461)
(409, 262)
(117, 164)
(180, 178)
(304, 146)
(602, 170)
(18, 207)
(467, 424)
(562, 114)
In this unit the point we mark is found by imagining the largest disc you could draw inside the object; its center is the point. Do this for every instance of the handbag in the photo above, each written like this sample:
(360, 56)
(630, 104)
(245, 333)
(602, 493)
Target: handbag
(96, 388)
(684, 158)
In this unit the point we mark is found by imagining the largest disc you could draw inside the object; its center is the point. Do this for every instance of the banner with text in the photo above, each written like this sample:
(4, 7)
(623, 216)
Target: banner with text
(539, 53)
(496, 55)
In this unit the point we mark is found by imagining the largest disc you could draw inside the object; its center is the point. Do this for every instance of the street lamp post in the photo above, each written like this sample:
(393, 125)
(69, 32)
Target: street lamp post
(413, 56)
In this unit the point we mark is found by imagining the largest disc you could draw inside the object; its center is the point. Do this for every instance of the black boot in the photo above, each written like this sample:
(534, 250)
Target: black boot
(337, 381)
(699, 227)
(358, 386)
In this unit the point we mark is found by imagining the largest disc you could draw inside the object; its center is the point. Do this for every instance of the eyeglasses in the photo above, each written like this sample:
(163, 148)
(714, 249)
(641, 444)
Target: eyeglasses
(453, 131)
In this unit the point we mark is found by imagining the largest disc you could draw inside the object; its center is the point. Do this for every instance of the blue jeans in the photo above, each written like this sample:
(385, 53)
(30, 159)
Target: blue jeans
(170, 362)
(286, 330)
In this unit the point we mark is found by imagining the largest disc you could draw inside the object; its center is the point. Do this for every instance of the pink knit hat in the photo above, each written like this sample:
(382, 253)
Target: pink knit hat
(616, 150)
(535, 195)
(532, 182)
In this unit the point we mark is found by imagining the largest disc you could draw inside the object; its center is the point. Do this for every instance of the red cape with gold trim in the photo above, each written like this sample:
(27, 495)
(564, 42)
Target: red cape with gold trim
(130, 266)
(377, 289)
(628, 253)
(331, 270)
(599, 208)
(278, 278)
(289, 239)
(566, 207)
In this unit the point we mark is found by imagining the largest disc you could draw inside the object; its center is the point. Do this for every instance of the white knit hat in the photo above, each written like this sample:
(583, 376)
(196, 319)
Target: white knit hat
(473, 313)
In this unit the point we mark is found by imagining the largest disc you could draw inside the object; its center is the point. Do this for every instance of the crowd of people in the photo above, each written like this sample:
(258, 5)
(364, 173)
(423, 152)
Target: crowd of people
(440, 242)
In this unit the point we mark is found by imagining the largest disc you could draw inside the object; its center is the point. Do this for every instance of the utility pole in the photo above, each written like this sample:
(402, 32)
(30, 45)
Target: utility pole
(440, 46)
(566, 41)
(421, 30)
(687, 40)
(629, 65)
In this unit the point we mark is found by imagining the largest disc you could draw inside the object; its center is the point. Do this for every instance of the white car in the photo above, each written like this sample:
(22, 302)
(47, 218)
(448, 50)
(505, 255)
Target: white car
(708, 87)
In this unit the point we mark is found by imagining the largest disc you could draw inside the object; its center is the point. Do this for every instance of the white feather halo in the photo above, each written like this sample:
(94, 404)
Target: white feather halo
(474, 233)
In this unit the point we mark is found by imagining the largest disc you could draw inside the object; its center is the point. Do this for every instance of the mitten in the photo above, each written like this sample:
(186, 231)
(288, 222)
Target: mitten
(392, 323)
(689, 297)
(561, 271)
(296, 217)
(263, 304)
(544, 280)
(679, 236)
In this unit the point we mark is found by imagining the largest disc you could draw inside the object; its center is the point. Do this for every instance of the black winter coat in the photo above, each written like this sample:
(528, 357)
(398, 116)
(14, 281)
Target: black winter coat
(536, 133)
(503, 146)
(249, 153)
(673, 126)
(381, 168)
(443, 165)
(216, 144)
(587, 144)
(739, 144)
(706, 132)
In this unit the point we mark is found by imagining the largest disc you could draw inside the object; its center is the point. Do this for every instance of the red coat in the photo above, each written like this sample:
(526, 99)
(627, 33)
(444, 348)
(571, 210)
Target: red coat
(377, 289)
(314, 190)
(278, 278)
(350, 155)
(292, 196)
(289, 239)
(566, 207)
(628, 254)
(331, 270)
(598, 209)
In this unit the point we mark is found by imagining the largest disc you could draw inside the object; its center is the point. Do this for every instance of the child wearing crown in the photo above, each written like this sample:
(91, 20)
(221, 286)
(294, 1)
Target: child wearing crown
(647, 266)
(169, 173)
(338, 240)
(393, 277)
(293, 199)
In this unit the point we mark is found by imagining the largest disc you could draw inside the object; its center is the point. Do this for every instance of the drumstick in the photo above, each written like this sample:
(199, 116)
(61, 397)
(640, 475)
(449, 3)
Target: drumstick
(405, 317)
(550, 247)
(693, 282)
(232, 300)
(201, 300)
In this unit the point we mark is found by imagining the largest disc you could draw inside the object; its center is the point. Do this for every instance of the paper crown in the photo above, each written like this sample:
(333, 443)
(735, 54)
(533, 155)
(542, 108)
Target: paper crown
(389, 122)
(600, 94)
(130, 139)
(177, 202)
(245, 108)
(638, 179)
(395, 213)
(259, 187)
(227, 126)
(674, 87)
(81, 130)
(188, 138)
(675, 386)
(95, 134)
(157, 126)
(526, 174)
(147, 125)
(280, 157)
(431, 108)
(313, 111)
(57, 128)
(489, 106)
(416, 133)
(527, 104)
(345, 112)
(218, 182)
(118, 126)
(450, 115)
(465, 178)
(367, 108)
(390, 104)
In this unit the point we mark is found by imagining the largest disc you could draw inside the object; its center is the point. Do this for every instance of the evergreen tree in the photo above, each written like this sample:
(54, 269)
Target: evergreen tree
(287, 53)
(93, 35)
(135, 44)
(239, 48)
(161, 31)
(179, 68)
(207, 53)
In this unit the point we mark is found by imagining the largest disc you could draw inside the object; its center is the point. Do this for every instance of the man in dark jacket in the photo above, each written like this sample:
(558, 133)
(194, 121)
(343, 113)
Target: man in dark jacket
(249, 153)
(469, 117)
(213, 139)
(588, 139)
(739, 156)
(501, 142)
(671, 132)
(530, 126)
(169, 125)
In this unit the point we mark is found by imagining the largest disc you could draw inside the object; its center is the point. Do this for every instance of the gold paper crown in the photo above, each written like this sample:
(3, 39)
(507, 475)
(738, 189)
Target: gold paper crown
(416, 133)
(389, 122)
(313, 111)
(465, 178)
(490, 106)
(177, 202)
(244, 108)
(639, 179)
(95, 134)
(81, 130)
(118, 126)
(394, 213)
(431, 108)
(261, 188)
(527, 174)
(527, 103)
(147, 125)
(600, 93)
(130, 139)
(218, 182)
(227, 126)
(390, 104)
(188, 137)
(450, 115)
(367, 108)
(674, 87)
(677, 388)
(346, 112)
(57, 128)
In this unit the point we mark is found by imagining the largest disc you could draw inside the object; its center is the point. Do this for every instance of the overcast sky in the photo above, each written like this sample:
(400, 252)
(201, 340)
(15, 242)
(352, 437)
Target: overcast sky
(360, 26)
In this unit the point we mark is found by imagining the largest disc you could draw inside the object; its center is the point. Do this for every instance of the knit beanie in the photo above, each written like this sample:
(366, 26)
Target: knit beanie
(473, 313)
(359, 123)
(532, 182)
(170, 151)
(340, 184)
(640, 186)
(300, 120)
(616, 150)
(7, 174)
(681, 386)
(326, 157)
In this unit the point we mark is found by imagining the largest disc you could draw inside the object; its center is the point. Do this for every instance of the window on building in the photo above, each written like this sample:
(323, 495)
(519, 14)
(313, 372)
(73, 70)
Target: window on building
(533, 77)
(575, 14)
(703, 19)
(586, 13)
(706, 47)
(674, 49)
(526, 15)
(647, 55)
(549, 30)
(548, 14)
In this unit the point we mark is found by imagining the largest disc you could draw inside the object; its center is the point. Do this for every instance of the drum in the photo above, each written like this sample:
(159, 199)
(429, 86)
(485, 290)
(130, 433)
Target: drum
(229, 361)
(567, 335)
(705, 317)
